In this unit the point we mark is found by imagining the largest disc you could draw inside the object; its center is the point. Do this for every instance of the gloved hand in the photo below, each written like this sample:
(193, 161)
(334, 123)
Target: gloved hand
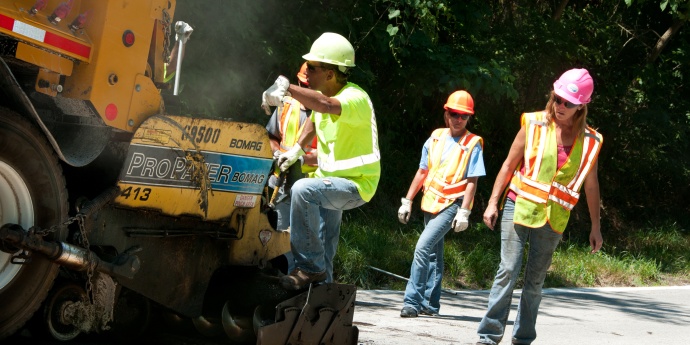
(276, 154)
(273, 96)
(183, 31)
(405, 210)
(288, 158)
(461, 221)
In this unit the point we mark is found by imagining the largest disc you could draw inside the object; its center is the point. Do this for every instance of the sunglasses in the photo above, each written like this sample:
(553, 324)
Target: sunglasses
(312, 68)
(456, 115)
(568, 105)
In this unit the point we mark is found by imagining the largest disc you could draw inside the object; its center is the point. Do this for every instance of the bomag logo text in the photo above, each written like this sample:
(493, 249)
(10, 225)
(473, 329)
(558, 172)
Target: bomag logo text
(246, 144)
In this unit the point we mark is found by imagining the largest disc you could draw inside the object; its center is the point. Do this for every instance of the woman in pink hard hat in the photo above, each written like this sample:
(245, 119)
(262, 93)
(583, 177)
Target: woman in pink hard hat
(553, 155)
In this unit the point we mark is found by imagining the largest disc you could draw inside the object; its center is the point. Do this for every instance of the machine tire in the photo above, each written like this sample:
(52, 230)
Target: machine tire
(63, 294)
(25, 154)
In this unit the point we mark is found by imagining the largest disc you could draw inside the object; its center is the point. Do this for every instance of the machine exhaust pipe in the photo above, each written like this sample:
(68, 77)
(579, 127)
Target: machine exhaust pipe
(68, 255)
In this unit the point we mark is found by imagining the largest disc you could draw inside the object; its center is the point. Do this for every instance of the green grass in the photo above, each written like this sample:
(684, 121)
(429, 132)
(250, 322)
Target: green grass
(657, 255)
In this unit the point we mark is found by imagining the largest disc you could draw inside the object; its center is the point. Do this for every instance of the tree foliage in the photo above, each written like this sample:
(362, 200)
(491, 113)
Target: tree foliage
(411, 54)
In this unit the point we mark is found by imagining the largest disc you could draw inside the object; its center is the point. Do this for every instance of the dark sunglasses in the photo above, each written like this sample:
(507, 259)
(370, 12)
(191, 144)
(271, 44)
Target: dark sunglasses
(456, 115)
(312, 68)
(568, 105)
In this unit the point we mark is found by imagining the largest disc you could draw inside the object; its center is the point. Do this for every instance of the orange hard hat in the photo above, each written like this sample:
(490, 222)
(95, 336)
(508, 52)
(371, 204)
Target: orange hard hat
(460, 101)
(302, 74)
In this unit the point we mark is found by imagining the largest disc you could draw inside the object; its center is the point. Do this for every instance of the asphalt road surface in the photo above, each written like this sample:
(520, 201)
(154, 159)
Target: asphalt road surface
(612, 316)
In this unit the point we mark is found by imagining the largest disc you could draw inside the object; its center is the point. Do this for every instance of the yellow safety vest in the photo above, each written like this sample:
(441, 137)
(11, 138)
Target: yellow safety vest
(445, 182)
(348, 144)
(291, 129)
(544, 192)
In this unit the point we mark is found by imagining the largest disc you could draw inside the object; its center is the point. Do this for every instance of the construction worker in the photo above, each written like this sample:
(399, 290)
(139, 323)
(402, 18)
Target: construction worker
(452, 162)
(284, 129)
(349, 168)
(552, 156)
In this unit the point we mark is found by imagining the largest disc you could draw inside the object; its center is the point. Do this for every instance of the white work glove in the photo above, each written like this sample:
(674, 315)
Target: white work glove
(182, 31)
(405, 210)
(273, 96)
(276, 154)
(288, 158)
(461, 221)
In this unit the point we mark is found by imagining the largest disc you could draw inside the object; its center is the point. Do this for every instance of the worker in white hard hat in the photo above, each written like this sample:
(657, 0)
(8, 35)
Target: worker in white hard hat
(348, 168)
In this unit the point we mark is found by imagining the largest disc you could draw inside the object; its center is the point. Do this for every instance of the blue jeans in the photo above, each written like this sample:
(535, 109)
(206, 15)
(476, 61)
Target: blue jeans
(329, 233)
(282, 209)
(423, 289)
(315, 216)
(542, 244)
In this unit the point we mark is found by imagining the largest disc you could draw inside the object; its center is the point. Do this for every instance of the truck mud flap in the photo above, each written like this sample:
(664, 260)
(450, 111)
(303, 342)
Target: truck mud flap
(321, 315)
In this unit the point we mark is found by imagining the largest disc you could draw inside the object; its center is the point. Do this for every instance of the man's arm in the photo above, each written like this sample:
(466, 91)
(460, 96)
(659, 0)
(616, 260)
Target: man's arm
(315, 100)
(308, 133)
(273, 129)
(275, 142)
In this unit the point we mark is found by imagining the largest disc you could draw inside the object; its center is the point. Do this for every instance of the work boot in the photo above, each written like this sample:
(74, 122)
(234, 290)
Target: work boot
(298, 279)
(425, 311)
(408, 312)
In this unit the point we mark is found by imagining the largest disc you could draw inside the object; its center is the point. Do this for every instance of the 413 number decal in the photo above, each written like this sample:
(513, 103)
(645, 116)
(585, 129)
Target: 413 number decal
(138, 193)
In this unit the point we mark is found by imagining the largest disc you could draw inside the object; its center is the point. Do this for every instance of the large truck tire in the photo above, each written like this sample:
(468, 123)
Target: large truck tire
(32, 192)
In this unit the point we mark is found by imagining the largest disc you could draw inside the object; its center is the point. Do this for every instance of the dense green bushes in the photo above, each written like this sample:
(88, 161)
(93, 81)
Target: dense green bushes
(412, 54)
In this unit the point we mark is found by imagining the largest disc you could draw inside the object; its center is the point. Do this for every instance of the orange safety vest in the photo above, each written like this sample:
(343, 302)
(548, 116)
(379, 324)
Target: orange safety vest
(291, 130)
(545, 192)
(445, 182)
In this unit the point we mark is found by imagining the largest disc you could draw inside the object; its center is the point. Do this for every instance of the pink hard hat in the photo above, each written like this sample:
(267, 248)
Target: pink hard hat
(575, 85)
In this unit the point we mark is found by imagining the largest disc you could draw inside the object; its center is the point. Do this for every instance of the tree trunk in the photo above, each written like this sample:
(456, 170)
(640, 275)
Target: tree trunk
(664, 39)
(559, 11)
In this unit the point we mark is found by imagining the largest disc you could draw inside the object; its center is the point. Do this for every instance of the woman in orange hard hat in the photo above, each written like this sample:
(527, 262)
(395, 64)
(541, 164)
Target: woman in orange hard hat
(553, 155)
(451, 163)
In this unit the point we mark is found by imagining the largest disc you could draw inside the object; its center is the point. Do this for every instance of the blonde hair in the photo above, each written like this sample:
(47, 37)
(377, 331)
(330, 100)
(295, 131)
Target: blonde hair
(580, 116)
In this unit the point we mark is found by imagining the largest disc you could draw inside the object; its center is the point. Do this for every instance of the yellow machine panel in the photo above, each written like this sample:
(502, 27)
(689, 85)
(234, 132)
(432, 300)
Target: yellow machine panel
(212, 169)
(102, 47)
(199, 167)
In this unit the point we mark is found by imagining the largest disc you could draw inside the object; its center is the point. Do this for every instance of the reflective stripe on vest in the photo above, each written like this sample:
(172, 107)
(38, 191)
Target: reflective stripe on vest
(540, 192)
(445, 180)
(330, 164)
(541, 182)
(290, 128)
(527, 185)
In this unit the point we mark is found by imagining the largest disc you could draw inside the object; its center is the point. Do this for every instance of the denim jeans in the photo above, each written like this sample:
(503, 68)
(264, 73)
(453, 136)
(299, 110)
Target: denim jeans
(330, 223)
(315, 216)
(423, 289)
(542, 243)
(282, 209)
(329, 233)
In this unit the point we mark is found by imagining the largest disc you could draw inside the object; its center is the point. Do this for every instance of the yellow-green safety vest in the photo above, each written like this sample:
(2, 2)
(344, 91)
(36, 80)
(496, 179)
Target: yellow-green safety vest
(544, 192)
(348, 143)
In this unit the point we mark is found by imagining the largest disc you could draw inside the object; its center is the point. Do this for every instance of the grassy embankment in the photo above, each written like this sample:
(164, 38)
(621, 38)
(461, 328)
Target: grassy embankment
(654, 256)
